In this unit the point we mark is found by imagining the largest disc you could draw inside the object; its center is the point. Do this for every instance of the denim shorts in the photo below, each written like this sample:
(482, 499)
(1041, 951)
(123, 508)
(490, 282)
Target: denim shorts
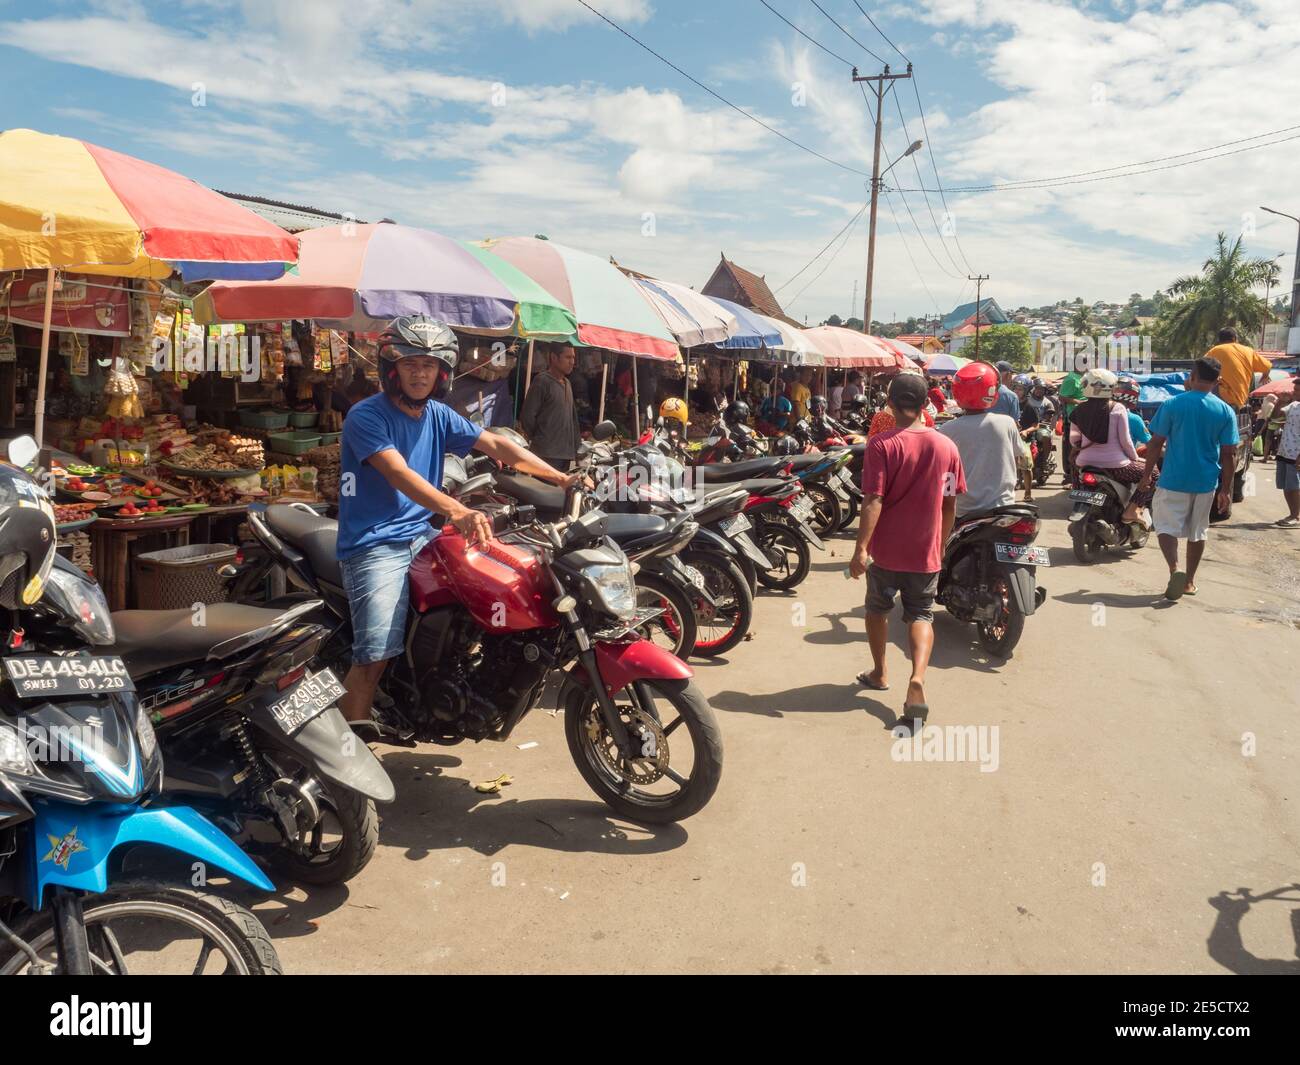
(378, 592)
(916, 589)
(1287, 476)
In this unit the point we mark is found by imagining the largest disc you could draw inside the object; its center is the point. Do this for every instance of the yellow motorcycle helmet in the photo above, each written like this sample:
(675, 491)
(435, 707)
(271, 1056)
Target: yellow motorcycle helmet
(674, 410)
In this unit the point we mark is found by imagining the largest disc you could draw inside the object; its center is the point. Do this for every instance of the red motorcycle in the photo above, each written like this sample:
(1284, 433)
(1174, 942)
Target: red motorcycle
(489, 624)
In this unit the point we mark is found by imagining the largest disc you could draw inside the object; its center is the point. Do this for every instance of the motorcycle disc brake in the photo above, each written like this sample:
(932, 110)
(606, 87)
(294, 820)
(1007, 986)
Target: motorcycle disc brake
(646, 735)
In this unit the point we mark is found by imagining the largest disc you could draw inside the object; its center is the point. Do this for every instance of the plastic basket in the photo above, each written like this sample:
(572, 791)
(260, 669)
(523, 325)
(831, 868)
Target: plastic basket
(329, 438)
(303, 419)
(179, 577)
(264, 419)
(298, 442)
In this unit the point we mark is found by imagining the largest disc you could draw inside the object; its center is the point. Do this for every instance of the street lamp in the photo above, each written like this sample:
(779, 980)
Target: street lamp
(1268, 288)
(1293, 332)
(912, 149)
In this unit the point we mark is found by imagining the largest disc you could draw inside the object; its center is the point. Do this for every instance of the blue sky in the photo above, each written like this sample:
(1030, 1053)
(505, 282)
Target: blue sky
(494, 117)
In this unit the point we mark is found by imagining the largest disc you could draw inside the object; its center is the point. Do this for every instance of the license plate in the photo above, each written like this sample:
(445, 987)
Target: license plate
(42, 676)
(1022, 553)
(311, 696)
(802, 509)
(843, 474)
(1082, 495)
(735, 525)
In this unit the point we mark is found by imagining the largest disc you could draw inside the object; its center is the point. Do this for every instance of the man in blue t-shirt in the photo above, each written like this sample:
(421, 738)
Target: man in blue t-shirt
(392, 451)
(1193, 442)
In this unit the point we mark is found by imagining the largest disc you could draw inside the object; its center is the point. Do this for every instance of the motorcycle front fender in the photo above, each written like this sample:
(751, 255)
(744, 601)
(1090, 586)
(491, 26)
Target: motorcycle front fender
(70, 845)
(621, 664)
(752, 551)
(328, 744)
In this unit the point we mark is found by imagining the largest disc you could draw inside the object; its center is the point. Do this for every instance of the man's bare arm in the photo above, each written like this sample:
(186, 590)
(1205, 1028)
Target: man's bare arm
(871, 507)
(508, 453)
(473, 524)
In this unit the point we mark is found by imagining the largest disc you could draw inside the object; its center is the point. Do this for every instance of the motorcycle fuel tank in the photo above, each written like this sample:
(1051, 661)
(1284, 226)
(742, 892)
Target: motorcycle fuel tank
(502, 586)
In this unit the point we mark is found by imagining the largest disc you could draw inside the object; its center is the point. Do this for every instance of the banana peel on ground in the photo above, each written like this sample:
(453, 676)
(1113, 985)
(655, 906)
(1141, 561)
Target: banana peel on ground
(491, 787)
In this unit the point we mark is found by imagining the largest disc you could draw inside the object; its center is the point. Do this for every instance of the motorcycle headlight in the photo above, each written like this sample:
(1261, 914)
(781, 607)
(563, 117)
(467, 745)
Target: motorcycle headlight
(14, 757)
(614, 586)
(82, 604)
(145, 734)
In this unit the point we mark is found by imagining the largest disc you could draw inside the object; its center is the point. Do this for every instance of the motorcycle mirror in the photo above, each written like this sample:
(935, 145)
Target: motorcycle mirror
(22, 450)
(604, 430)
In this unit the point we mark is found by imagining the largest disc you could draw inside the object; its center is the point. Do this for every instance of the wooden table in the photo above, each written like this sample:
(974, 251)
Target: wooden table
(110, 542)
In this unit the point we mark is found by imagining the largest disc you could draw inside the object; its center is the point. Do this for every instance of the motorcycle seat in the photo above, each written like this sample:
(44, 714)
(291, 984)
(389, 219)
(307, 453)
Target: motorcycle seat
(763, 486)
(314, 536)
(623, 527)
(721, 472)
(150, 640)
(547, 498)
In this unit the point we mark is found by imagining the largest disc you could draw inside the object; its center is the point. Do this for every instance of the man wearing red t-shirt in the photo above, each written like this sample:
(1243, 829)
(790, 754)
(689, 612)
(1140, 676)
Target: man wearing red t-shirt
(911, 477)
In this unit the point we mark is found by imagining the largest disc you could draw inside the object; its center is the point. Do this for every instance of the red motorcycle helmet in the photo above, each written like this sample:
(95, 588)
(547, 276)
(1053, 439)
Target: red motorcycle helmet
(975, 386)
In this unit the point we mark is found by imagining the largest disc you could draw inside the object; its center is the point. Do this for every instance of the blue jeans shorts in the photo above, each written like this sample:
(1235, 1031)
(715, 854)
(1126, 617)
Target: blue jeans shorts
(1287, 476)
(378, 592)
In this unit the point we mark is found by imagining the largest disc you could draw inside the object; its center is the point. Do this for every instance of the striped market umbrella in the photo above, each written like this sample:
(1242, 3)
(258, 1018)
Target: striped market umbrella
(69, 204)
(611, 311)
(944, 365)
(359, 276)
(691, 317)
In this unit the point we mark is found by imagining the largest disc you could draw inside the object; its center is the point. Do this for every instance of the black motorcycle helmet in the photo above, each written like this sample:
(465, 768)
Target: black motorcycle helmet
(786, 445)
(860, 404)
(28, 539)
(817, 405)
(737, 413)
(412, 335)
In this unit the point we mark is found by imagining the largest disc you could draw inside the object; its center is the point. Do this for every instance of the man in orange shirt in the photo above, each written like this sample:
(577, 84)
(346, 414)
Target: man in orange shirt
(1240, 364)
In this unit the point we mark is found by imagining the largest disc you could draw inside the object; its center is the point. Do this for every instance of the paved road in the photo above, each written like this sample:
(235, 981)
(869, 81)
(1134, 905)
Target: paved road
(1146, 769)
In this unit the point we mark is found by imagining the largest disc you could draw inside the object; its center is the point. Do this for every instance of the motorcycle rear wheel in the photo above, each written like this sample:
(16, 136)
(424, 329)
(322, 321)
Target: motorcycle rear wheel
(719, 629)
(828, 514)
(674, 629)
(1001, 638)
(638, 705)
(224, 927)
(789, 550)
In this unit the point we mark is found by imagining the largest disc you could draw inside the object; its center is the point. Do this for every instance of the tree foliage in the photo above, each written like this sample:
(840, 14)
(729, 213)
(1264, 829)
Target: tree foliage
(1222, 295)
(1003, 342)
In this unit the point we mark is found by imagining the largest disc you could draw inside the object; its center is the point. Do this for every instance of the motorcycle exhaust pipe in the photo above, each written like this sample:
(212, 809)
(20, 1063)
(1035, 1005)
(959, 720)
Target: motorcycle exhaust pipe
(1107, 532)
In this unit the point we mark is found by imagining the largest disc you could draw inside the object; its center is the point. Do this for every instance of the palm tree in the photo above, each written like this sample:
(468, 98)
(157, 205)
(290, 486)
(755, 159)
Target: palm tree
(1081, 321)
(1222, 295)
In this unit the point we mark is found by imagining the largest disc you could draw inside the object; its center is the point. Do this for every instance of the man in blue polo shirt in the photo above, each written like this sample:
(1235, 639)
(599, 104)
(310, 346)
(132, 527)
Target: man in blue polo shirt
(1195, 435)
(391, 462)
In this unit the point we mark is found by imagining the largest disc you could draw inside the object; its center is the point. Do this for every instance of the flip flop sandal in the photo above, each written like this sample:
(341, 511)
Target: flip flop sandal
(915, 712)
(864, 679)
(1176, 586)
(1189, 591)
(1288, 523)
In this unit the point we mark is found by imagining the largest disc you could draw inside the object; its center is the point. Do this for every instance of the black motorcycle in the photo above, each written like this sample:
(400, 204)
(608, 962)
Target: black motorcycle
(1096, 520)
(250, 733)
(988, 575)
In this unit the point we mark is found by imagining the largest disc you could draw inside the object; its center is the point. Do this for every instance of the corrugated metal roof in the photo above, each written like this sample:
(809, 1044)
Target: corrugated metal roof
(293, 217)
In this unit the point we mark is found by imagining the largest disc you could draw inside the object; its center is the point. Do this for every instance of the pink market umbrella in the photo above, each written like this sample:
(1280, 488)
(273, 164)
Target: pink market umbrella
(611, 312)
(848, 348)
(1276, 387)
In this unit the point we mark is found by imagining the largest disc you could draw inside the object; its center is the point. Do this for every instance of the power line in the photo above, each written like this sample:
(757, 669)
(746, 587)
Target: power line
(934, 302)
(833, 239)
(718, 96)
(830, 262)
(809, 37)
(1107, 173)
(928, 206)
(934, 165)
(847, 33)
(880, 31)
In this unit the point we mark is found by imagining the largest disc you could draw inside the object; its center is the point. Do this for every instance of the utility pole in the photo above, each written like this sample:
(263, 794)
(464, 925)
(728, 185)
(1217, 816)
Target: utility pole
(880, 84)
(854, 302)
(1293, 333)
(979, 280)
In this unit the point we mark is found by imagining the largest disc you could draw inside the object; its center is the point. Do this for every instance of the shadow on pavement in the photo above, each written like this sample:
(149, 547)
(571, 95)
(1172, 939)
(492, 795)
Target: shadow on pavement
(434, 811)
(1225, 944)
(1151, 600)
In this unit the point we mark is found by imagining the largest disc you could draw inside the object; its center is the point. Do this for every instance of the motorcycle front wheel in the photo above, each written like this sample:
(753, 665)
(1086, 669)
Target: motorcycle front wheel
(1087, 548)
(145, 927)
(674, 772)
(788, 550)
(719, 628)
